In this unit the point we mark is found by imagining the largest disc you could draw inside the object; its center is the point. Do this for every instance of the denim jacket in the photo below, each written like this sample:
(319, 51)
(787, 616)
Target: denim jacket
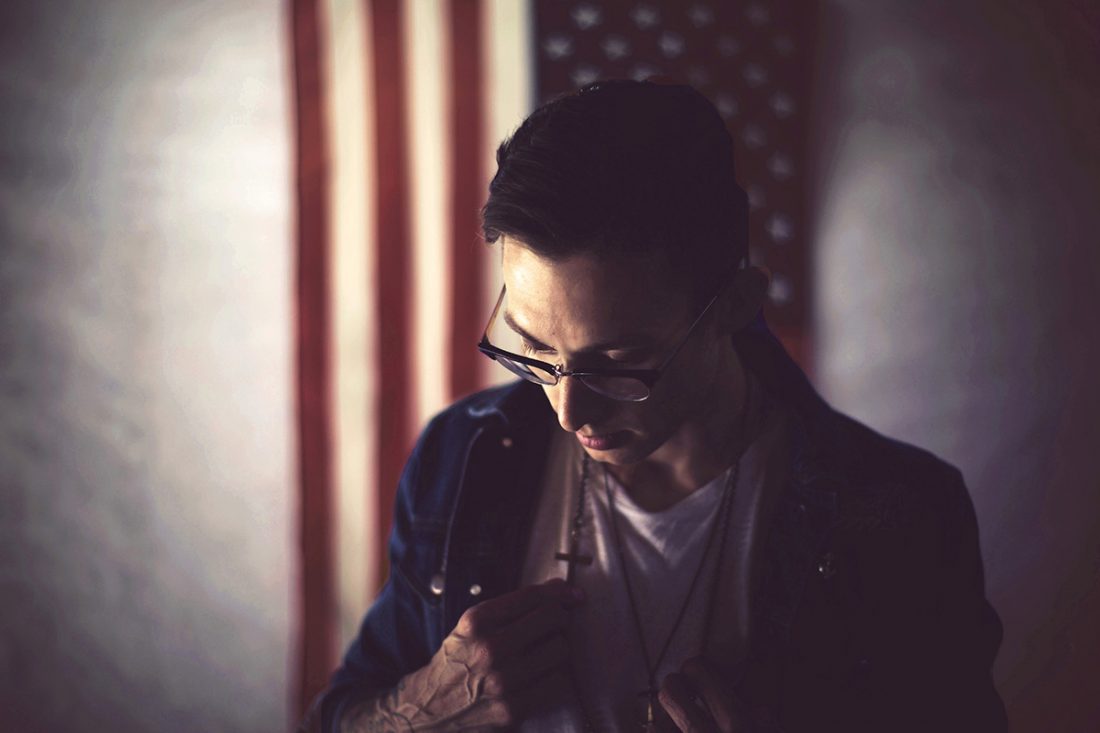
(871, 614)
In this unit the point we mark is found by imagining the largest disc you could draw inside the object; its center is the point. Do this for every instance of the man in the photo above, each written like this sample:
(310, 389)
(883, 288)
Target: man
(661, 526)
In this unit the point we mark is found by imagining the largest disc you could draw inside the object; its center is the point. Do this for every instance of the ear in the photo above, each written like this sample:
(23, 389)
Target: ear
(747, 296)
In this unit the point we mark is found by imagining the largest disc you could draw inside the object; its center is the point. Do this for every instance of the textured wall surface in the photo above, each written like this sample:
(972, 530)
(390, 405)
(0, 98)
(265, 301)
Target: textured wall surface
(958, 264)
(145, 364)
(145, 401)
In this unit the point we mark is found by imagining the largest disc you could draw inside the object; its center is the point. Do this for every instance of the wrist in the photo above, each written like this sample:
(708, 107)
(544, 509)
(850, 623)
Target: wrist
(375, 713)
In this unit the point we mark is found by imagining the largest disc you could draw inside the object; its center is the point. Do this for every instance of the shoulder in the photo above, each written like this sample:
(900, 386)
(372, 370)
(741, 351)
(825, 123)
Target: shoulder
(869, 476)
(888, 483)
(872, 455)
(515, 406)
(444, 447)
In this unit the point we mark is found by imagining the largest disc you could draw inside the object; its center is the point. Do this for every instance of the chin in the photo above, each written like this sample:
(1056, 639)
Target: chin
(624, 455)
(613, 457)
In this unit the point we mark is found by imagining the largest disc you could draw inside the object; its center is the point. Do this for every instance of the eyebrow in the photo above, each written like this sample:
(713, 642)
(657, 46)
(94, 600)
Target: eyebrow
(636, 343)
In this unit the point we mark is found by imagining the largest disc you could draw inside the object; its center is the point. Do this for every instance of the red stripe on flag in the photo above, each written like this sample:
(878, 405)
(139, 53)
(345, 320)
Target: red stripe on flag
(317, 594)
(466, 191)
(394, 254)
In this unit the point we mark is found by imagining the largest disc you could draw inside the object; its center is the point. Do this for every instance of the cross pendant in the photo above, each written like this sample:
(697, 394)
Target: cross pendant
(572, 558)
(649, 721)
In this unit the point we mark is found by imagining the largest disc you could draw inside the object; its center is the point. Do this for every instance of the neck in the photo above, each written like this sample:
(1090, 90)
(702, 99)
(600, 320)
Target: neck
(700, 451)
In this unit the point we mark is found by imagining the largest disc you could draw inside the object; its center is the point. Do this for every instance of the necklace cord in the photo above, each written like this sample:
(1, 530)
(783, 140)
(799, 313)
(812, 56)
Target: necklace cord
(750, 393)
(651, 668)
(724, 511)
(722, 518)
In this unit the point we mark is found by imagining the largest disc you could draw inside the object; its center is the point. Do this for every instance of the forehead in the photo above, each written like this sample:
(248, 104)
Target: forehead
(587, 299)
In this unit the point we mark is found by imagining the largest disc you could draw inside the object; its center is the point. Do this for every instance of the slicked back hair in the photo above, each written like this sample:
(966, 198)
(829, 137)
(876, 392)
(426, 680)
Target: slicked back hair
(623, 169)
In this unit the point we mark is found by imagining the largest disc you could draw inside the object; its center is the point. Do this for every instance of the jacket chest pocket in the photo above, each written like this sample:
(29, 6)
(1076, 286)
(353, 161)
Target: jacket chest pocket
(865, 617)
(416, 564)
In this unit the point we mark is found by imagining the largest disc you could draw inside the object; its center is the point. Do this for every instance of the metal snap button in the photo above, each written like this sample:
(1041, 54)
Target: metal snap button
(862, 668)
(475, 590)
(436, 584)
(826, 567)
(506, 442)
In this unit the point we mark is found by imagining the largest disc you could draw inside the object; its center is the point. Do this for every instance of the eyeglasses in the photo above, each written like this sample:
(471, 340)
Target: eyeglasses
(626, 385)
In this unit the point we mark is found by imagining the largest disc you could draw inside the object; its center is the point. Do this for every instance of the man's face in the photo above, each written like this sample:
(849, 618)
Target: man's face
(584, 312)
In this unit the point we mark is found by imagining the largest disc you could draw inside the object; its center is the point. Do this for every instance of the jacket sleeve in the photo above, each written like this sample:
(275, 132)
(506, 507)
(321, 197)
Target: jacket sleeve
(963, 695)
(396, 635)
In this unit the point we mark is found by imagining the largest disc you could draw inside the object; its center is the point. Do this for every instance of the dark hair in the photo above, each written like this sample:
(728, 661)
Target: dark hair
(623, 168)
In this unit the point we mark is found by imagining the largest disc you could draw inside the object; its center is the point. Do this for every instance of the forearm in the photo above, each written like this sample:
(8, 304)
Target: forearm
(503, 658)
(376, 713)
(420, 701)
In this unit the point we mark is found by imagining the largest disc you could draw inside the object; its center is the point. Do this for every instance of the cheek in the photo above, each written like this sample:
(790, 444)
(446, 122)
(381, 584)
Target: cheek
(688, 383)
(551, 396)
(667, 410)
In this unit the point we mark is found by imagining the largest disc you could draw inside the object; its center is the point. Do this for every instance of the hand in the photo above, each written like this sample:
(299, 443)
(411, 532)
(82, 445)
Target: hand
(701, 698)
(504, 656)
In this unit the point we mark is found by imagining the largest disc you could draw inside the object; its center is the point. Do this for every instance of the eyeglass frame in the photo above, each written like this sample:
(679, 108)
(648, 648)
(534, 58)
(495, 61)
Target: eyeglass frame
(647, 377)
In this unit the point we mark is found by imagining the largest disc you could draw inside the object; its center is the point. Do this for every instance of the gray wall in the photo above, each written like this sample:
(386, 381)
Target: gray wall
(145, 295)
(957, 179)
(145, 384)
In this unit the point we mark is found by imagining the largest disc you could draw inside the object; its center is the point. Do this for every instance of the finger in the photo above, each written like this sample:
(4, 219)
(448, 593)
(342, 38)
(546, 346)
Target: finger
(504, 677)
(716, 689)
(718, 660)
(676, 696)
(521, 633)
(498, 611)
(549, 655)
(551, 690)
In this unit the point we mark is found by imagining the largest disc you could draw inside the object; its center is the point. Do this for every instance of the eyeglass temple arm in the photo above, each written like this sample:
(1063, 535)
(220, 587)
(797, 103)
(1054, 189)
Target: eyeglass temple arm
(691, 329)
(493, 317)
(724, 283)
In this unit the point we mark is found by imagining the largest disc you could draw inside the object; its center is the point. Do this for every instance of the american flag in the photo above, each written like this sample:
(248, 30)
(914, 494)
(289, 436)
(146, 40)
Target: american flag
(400, 105)
(751, 60)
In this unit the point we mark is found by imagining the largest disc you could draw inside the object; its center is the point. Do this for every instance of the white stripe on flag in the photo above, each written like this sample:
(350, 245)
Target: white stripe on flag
(353, 273)
(509, 94)
(352, 278)
(426, 72)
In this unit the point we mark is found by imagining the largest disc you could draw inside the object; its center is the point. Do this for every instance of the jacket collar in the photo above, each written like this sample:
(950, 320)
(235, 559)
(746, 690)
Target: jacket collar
(519, 402)
(514, 404)
(819, 457)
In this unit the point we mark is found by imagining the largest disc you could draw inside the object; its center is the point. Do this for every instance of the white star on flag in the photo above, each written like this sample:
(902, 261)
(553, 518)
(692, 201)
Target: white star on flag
(615, 47)
(728, 46)
(585, 74)
(671, 44)
(558, 47)
(755, 75)
(645, 16)
(780, 166)
(779, 228)
(782, 105)
(586, 16)
(757, 14)
(700, 15)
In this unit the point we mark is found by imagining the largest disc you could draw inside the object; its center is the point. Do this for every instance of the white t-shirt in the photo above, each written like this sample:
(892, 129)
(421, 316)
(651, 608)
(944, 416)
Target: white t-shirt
(662, 550)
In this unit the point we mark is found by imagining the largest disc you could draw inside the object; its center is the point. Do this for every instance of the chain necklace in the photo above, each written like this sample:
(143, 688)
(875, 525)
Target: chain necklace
(650, 693)
(648, 724)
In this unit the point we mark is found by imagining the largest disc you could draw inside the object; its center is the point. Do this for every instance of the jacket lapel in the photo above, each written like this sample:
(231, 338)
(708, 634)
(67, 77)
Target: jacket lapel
(795, 544)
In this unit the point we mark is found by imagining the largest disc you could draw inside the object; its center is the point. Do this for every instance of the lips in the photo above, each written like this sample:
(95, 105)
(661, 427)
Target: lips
(607, 441)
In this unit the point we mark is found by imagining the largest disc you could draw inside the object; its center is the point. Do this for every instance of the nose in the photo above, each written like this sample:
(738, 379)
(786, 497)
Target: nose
(575, 404)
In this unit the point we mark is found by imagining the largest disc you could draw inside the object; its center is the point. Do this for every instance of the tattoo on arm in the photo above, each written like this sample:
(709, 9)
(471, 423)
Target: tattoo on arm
(378, 714)
(394, 695)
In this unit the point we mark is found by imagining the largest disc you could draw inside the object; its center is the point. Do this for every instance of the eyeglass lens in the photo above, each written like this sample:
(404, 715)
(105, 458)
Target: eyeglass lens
(530, 373)
(626, 389)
